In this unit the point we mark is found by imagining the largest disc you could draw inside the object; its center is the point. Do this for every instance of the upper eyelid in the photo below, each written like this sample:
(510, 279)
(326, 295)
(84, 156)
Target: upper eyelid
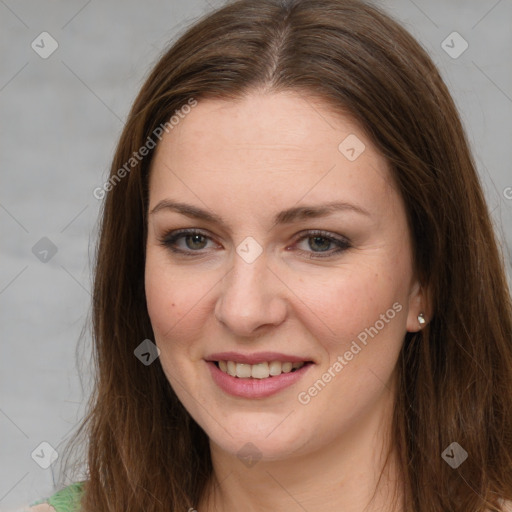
(178, 233)
(175, 233)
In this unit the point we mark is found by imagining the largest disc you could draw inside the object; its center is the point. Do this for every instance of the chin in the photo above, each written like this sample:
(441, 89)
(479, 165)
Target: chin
(258, 438)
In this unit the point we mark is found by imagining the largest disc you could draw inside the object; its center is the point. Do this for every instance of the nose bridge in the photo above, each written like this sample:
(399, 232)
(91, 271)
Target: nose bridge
(249, 297)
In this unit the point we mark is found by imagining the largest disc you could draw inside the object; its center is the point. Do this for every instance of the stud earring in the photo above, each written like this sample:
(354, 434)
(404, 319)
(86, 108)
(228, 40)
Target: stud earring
(421, 320)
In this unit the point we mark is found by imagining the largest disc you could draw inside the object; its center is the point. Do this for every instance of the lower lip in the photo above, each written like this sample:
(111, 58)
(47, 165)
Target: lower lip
(255, 388)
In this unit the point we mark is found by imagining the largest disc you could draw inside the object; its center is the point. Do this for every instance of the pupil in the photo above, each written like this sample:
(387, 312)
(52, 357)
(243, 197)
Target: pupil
(196, 239)
(321, 246)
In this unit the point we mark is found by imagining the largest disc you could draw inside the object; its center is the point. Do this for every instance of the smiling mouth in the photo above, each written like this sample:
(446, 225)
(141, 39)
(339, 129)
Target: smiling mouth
(262, 370)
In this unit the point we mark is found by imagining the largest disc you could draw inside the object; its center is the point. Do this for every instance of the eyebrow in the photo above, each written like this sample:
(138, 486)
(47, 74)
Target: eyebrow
(284, 217)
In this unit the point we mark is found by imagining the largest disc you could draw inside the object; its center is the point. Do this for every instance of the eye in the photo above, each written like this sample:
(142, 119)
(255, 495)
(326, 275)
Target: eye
(191, 242)
(186, 241)
(323, 244)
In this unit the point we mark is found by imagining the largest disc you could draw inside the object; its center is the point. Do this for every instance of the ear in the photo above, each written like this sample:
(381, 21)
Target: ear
(419, 304)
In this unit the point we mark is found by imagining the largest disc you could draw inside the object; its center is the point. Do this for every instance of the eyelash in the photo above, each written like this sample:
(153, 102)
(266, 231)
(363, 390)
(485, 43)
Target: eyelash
(169, 240)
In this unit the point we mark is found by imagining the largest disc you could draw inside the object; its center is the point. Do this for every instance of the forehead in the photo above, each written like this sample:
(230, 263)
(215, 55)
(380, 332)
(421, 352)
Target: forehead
(267, 148)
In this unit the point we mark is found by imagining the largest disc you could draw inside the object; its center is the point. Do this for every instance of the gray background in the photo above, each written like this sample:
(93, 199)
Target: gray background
(60, 119)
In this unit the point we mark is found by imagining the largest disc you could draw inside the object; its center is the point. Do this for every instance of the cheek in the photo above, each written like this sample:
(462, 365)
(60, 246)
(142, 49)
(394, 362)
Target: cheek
(350, 301)
(359, 320)
(360, 317)
(172, 299)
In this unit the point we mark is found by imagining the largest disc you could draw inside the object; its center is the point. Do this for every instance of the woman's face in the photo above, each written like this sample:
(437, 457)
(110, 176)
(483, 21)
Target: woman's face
(297, 250)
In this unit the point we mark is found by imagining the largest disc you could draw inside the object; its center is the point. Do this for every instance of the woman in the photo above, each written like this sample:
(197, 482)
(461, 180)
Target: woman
(299, 301)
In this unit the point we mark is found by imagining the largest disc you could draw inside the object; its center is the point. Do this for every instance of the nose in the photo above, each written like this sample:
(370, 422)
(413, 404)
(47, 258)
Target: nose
(251, 298)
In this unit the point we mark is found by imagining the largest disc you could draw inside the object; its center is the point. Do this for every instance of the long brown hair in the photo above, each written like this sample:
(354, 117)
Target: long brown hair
(145, 452)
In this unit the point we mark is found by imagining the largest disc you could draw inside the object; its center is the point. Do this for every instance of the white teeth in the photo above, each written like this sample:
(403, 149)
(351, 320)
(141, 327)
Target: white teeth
(286, 367)
(275, 368)
(243, 370)
(231, 368)
(258, 371)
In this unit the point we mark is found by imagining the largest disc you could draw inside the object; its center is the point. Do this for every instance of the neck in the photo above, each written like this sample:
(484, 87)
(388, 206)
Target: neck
(356, 472)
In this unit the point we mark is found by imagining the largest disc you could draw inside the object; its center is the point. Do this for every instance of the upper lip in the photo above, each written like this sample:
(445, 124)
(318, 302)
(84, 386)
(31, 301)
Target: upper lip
(256, 357)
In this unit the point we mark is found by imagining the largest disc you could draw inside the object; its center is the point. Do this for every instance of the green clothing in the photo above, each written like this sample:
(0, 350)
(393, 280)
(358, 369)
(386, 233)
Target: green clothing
(66, 500)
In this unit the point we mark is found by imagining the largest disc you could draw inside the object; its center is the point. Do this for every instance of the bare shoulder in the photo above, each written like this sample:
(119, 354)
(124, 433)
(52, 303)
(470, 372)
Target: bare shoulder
(43, 507)
(506, 506)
